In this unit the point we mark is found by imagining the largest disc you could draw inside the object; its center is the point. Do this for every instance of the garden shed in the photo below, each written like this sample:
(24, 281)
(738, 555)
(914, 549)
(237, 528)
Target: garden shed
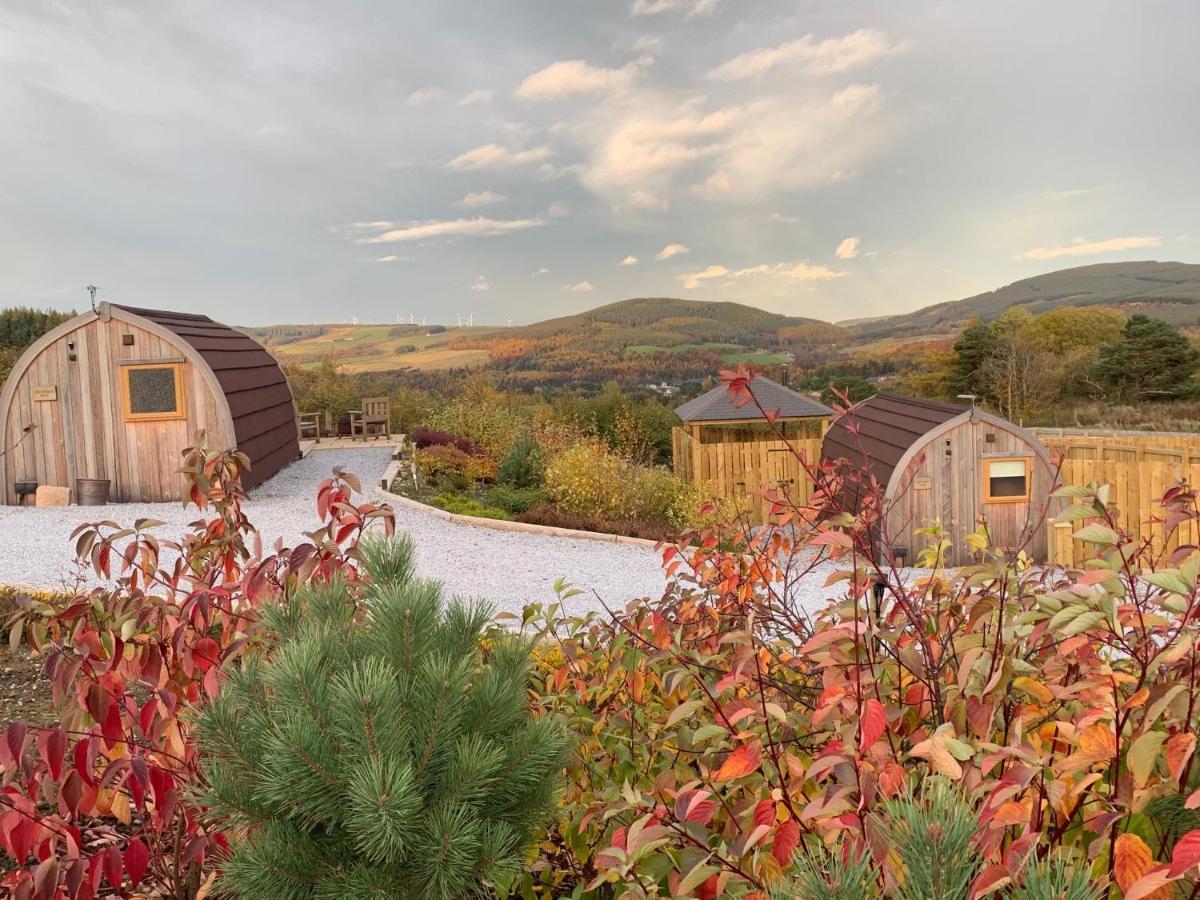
(738, 452)
(958, 465)
(117, 393)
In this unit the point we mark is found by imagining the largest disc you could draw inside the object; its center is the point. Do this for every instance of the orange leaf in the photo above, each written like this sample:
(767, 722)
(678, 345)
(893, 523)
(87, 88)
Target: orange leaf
(1097, 741)
(1131, 860)
(1178, 751)
(740, 762)
(1010, 814)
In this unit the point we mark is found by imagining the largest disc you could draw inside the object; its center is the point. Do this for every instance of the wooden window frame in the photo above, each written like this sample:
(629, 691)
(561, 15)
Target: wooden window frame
(987, 479)
(180, 411)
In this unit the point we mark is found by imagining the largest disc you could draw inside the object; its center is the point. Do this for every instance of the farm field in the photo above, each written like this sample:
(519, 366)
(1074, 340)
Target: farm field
(375, 348)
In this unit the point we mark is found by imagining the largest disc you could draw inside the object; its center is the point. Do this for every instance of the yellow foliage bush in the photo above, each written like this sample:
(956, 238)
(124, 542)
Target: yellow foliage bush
(592, 480)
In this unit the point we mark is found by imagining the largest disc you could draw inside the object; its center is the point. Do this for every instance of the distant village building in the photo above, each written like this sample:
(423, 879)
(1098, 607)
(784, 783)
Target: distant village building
(115, 395)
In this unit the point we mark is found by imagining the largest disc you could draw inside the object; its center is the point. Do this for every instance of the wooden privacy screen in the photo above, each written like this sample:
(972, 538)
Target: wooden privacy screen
(746, 469)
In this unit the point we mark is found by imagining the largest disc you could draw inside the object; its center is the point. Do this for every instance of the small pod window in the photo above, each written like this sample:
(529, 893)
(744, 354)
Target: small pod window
(1006, 480)
(152, 391)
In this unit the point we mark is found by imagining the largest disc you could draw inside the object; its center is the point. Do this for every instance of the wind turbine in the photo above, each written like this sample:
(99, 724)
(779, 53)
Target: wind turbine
(509, 321)
(459, 319)
(471, 321)
(422, 321)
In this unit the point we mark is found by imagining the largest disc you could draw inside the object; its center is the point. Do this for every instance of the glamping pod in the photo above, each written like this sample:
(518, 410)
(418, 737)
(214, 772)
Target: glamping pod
(957, 465)
(117, 394)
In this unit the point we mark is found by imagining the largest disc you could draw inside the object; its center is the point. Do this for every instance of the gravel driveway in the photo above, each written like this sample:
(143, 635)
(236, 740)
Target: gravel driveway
(508, 568)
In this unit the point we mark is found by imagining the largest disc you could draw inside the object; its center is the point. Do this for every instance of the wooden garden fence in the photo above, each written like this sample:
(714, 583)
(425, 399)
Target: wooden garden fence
(1138, 467)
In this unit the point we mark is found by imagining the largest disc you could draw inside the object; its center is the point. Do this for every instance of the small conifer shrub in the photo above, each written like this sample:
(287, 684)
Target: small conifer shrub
(380, 748)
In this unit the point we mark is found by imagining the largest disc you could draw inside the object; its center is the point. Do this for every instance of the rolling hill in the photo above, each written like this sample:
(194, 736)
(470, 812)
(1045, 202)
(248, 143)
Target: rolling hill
(674, 338)
(1164, 290)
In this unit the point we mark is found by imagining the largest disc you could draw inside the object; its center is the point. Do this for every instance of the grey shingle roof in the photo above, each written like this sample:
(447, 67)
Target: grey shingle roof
(718, 406)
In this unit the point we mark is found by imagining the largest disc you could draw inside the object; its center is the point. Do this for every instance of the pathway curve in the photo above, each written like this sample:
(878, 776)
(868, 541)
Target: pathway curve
(508, 568)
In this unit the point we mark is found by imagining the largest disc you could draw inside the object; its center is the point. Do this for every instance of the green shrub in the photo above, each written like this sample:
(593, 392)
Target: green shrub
(524, 466)
(484, 416)
(377, 750)
(664, 498)
(516, 500)
(468, 506)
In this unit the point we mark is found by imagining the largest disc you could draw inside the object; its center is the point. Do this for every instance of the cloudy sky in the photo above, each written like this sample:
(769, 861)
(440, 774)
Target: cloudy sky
(305, 161)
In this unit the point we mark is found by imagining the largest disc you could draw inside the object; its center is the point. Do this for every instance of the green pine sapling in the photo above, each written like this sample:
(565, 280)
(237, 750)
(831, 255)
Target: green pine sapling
(381, 748)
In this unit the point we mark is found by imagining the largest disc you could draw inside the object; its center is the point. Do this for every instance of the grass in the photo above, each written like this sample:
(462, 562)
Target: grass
(731, 353)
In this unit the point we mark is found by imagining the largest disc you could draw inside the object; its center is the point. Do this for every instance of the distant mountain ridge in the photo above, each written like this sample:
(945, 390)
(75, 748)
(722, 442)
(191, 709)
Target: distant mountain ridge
(1165, 290)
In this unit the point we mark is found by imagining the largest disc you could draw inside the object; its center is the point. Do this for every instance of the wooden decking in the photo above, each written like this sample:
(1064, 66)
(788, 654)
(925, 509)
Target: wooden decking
(349, 443)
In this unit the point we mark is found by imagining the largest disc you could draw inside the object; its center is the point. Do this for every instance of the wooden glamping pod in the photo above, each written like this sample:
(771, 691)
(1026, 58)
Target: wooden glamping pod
(738, 452)
(117, 394)
(957, 465)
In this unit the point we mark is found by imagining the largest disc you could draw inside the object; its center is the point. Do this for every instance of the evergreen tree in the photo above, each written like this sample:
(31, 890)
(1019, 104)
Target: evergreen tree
(971, 351)
(1151, 361)
(524, 466)
(376, 750)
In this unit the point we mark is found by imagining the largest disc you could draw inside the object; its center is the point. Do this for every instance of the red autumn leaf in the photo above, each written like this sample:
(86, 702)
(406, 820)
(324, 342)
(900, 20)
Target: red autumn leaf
(1187, 853)
(787, 837)
(873, 724)
(137, 858)
(709, 890)
(764, 812)
(114, 871)
(990, 879)
(739, 763)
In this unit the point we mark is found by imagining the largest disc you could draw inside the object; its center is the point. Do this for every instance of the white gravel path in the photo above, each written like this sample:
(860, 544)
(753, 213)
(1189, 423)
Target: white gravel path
(508, 568)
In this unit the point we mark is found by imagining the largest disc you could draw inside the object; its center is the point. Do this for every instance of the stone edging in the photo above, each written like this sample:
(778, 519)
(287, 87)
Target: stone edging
(522, 527)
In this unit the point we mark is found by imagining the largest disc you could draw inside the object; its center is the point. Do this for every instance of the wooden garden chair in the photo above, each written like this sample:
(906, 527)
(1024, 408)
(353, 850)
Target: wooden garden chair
(374, 419)
(310, 426)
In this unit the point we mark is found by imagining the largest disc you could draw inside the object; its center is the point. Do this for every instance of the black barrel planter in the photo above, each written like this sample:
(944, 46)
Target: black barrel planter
(92, 491)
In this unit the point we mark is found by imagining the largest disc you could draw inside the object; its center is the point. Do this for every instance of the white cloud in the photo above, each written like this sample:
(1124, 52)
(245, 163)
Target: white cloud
(800, 271)
(582, 287)
(828, 57)
(480, 285)
(540, 272)
(574, 77)
(1089, 248)
(386, 259)
(691, 7)
(426, 96)
(671, 250)
(628, 261)
(847, 249)
(783, 219)
(1071, 193)
(558, 210)
(445, 228)
(642, 153)
(778, 145)
(493, 156)
(476, 98)
(482, 198)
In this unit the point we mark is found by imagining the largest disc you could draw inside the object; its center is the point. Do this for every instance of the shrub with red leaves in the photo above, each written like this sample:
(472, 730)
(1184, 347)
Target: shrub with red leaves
(101, 804)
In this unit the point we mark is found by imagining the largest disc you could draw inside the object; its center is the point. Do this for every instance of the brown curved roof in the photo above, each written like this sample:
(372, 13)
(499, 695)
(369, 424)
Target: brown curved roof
(260, 400)
(718, 406)
(887, 425)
